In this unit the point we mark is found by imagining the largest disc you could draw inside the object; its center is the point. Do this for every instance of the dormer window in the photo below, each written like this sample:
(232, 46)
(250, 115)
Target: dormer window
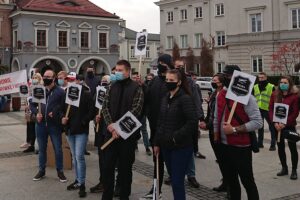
(68, 3)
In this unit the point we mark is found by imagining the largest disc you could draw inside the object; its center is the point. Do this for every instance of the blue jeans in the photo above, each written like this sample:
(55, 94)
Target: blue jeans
(77, 145)
(191, 171)
(145, 132)
(42, 133)
(177, 162)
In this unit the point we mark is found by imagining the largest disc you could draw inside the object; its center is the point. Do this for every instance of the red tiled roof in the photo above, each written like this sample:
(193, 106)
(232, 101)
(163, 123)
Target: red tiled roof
(81, 7)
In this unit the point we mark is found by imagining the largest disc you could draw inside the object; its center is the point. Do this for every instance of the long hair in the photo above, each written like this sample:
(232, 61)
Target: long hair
(181, 77)
(279, 93)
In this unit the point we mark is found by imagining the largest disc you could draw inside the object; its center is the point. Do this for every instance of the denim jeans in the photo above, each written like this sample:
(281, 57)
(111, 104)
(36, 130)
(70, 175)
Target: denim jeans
(42, 133)
(191, 171)
(77, 145)
(145, 132)
(177, 162)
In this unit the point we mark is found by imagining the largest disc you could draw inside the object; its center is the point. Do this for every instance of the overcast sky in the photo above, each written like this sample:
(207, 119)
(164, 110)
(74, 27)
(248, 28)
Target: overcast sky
(139, 14)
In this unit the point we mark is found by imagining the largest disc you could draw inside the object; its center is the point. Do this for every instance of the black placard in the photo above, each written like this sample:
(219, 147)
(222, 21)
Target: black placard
(73, 93)
(127, 125)
(241, 86)
(24, 89)
(39, 93)
(280, 112)
(141, 42)
(101, 96)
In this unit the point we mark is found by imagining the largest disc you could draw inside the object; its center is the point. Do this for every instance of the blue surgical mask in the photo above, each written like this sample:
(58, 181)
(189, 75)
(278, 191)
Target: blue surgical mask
(113, 78)
(60, 82)
(34, 81)
(119, 76)
(284, 87)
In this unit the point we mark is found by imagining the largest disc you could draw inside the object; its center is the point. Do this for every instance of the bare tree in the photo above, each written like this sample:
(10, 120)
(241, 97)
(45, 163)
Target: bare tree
(175, 51)
(189, 60)
(206, 60)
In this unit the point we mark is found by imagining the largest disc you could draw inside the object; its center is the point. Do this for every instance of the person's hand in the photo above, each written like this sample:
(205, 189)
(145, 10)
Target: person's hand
(110, 128)
(278, 126)
(64, 120)
(98, 118)
(281, 125)
(50, 114)
(115, 134)
(39, 117)
(202, 125)
(228, 129)
(156, 151)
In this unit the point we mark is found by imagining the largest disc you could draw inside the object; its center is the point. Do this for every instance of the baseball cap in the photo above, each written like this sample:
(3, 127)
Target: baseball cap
(71, 76)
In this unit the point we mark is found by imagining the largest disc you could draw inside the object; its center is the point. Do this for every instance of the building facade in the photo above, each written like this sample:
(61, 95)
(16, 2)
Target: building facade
(245, 33)
(127, 46)
(64, 35)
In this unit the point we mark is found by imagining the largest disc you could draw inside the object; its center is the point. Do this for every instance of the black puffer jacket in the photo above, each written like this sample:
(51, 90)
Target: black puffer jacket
(177, 121)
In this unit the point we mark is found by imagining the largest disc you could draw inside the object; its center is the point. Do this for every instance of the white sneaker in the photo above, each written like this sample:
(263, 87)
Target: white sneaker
(149, 196)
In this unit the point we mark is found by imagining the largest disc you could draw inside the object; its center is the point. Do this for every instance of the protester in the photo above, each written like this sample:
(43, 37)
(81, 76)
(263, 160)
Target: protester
(48, 124)
(177, 123)
(91, 80)
(136, 77)
(62, 79)
(234, 139)
(156, 90)
(123, 96)
(286, 93)
(149, 78)
(262, 92)
(76, 126)
(99, 138)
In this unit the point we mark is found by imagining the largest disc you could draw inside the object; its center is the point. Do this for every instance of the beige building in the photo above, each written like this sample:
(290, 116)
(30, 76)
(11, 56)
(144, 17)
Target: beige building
(239, 31)
(127, 46)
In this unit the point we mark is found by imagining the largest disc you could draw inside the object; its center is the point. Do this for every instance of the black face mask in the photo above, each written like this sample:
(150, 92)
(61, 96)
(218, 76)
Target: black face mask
(104, 84)
(90, 74)
(214, 85)
(263, 82)
(47, 81)
(171, 85)
(162, 68)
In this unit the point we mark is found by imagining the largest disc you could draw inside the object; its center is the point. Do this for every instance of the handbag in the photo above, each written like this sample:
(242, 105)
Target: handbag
(291, 135)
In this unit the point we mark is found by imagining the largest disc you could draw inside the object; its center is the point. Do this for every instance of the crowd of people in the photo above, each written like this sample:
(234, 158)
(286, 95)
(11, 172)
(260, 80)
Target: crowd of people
(172, 104)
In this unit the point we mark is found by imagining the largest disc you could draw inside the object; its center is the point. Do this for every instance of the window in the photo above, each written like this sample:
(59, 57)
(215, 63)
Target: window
(62, 38)
(84, 39)
(220, 67)
(170, 41)
(219, 9)
(256, 25)
(221, 38)
(41, 38)
(257, 64)
(147, 52)
(15, 39)
(198, 40)
(103, 40)
(198, 12)
(183, 41)
(197, 68)
(183, 14)
(170, 16)
(296, 18)
(132, 52)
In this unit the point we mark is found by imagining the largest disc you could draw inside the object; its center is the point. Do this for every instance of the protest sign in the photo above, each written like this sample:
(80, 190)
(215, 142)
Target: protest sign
(10, 83)
(24, 91)
(39, 95)
(280, 115)
(141, 46)
(101, 92)
(73, 96)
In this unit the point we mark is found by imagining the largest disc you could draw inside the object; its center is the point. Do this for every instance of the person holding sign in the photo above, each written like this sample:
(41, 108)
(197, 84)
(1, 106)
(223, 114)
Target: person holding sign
(124, 95)
(234, 137)
(177, 123)
(77, 125)
(286, 93)
(49, 124)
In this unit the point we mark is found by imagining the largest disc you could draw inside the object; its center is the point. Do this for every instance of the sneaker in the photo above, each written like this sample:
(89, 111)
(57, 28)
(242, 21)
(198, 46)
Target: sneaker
(82, 192)
(149, 196)
(29, 149)
(97, 188)
(272, 148)
(62, 177)
(73, 186)
(39, 176)
(24, 145)
(148, 151)
(193, 182)
(199, 155)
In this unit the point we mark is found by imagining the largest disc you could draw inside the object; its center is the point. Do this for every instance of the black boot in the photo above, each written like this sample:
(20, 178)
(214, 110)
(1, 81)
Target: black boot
(294, 174)
(284, 171)
(82, 192)
(220, 188)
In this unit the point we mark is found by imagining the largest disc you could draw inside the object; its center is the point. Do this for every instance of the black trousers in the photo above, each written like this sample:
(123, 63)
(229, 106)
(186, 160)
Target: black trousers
(292, 147)
(122, 151)
(101, 163)
(238, 163)
(30, 133)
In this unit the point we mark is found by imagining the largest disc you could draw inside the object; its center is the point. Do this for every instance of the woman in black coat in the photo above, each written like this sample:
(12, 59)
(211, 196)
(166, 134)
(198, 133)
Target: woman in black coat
(176, 125)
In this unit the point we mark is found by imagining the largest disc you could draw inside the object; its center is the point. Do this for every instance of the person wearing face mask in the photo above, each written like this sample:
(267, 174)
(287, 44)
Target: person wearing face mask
(262, 92)
(286, 93)
(177, 123)
(49, 124)
(124, 95)
(91, 80)
(62, 79)
(234, 139)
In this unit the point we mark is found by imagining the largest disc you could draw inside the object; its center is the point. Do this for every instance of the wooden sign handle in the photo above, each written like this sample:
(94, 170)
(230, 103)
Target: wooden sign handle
(232, 112)
(107, 143)
(40, 108)
(279, 135)
(140, 64)
(157, 178)
(68, 111)
(97, 127)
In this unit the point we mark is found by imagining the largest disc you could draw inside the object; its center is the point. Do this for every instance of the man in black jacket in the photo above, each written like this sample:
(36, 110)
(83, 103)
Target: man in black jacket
(123, 96)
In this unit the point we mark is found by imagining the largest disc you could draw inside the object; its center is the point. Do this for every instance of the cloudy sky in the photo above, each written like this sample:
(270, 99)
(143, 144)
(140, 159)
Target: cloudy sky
(139, 14)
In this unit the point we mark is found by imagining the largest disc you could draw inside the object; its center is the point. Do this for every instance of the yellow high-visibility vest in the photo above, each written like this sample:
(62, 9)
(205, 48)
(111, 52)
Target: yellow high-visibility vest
(263, 97)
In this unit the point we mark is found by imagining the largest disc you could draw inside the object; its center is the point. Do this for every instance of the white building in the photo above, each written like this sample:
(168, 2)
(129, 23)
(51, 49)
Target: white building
(241, 32)
(127, 46)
